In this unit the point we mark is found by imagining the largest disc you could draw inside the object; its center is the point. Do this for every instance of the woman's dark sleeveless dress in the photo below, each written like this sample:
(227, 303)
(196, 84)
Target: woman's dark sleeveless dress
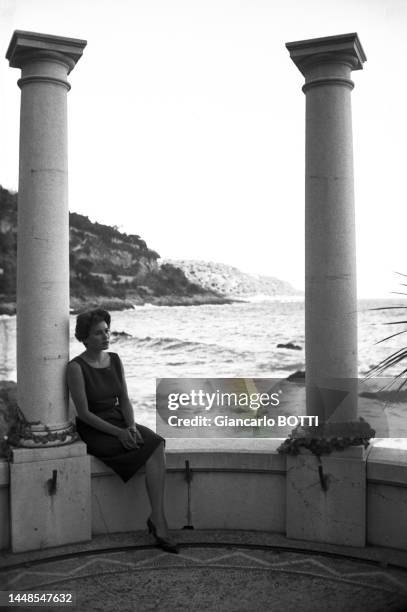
(103, 389)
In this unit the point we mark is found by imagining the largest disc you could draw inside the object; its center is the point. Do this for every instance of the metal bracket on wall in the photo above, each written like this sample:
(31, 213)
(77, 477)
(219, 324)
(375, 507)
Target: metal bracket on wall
(52, 483)
(188, 478)
(323, 479)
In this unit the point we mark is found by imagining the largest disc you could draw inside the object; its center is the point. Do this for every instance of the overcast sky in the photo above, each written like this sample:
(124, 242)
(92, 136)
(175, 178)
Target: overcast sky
(186, 125)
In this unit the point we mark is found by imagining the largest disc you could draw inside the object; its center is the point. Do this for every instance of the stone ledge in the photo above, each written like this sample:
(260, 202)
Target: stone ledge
(216, 445)
(28, 455)
(226, 455)
(387, 465)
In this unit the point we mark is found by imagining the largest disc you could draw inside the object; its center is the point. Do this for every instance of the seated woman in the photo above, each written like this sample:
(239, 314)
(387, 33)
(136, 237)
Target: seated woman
(106, 422)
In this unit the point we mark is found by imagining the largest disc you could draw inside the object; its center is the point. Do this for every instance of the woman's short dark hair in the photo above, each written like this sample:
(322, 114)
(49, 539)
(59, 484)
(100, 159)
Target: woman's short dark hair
(85, 320)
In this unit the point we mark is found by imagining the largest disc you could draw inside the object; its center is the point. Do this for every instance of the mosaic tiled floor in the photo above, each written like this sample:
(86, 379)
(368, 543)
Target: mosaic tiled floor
(221, 578)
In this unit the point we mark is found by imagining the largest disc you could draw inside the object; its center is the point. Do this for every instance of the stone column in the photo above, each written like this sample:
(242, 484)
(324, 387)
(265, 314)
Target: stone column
(326, 497)
(43, 231)
(330, 255)
(53, 475)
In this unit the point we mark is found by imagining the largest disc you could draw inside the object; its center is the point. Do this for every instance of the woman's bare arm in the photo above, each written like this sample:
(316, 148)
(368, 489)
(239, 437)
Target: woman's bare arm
(125, 404)
(127, 408)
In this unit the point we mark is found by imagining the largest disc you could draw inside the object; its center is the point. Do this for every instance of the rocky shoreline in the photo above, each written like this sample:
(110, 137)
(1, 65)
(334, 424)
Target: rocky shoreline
(199, 299)
(80, 304)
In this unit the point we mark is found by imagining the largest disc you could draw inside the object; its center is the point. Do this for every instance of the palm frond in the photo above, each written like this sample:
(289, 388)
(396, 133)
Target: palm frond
(398, 356)
(395, 323)
(389, 362)
(387, 308)
(392, 336)
(404, 382)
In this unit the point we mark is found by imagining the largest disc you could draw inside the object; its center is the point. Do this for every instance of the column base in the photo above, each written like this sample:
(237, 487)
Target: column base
(326, 499)
(50, 497)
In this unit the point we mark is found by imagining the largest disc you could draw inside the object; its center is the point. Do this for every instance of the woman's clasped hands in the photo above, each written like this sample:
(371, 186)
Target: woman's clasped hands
(130, 438)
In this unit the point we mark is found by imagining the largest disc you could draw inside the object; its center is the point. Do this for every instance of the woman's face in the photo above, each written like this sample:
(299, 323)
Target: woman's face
(98, 338)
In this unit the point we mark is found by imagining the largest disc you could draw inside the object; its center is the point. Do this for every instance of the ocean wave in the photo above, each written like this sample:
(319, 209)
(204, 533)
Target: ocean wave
(176, 363)
(180, 346)
(144, 306)
(260, 297)
(278, 365)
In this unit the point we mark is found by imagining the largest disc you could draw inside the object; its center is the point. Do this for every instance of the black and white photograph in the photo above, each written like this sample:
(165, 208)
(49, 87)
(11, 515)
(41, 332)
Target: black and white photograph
(203, 305)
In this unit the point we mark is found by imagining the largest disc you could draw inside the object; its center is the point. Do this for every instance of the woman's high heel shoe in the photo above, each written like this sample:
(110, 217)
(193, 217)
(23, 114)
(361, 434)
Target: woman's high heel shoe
(161, 542)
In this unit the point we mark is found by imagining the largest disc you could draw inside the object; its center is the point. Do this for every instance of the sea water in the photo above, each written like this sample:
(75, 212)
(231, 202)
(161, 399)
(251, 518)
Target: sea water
(218, 341)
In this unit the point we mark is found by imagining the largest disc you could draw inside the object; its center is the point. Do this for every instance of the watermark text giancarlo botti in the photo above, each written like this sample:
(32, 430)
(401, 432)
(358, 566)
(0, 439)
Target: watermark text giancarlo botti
(227, 407)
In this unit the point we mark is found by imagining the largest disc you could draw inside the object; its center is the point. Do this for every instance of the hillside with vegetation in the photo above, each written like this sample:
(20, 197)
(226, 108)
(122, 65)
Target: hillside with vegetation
(106, 267)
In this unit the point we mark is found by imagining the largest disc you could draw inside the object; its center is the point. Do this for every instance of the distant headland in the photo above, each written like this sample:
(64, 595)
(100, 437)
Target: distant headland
(117, 270)
(231, 281)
